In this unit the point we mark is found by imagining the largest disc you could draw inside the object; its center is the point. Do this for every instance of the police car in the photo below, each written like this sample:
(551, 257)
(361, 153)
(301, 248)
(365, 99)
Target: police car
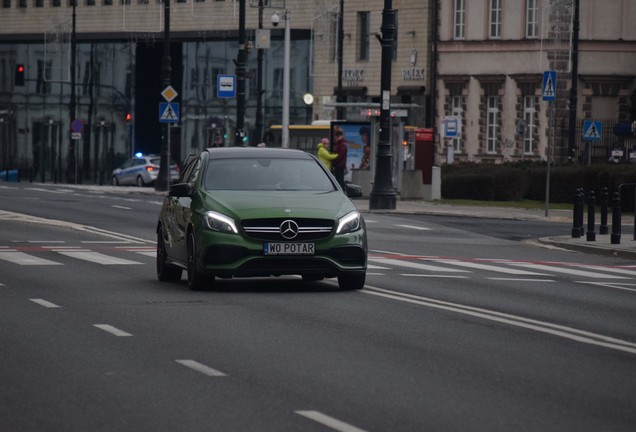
(141, 170)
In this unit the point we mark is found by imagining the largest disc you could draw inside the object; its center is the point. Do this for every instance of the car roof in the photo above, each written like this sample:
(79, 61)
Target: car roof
(252, 152)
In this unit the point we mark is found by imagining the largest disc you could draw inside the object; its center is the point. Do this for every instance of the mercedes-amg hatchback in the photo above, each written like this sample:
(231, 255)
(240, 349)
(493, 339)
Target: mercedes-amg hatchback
(247, 211)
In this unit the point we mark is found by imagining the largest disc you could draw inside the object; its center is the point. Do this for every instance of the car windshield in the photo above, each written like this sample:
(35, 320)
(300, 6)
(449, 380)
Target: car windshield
(266, 174)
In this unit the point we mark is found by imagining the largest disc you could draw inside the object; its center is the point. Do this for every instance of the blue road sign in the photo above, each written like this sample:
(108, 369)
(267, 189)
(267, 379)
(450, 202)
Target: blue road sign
(226, 86)
(549, 85)
(168, 112)
(592, 130)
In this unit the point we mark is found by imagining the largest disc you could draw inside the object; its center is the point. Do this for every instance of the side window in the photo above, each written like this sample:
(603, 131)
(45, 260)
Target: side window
(189, 174)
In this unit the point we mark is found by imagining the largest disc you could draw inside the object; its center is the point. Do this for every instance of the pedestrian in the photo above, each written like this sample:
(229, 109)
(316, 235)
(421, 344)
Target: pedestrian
(340, 163)
(324, 155)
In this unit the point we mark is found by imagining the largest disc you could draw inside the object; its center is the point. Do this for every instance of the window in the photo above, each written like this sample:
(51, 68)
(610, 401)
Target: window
(532, 26)
(333, 38)
(492, 124)
(43, 76)
(363, 37)
(457, 110)
(529, 114)
(459, 19)
(39, 3)
(495, 19)
(6, 4)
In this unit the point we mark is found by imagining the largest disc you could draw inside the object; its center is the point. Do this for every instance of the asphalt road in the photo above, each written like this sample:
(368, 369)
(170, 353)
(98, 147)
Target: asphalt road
(462, 326)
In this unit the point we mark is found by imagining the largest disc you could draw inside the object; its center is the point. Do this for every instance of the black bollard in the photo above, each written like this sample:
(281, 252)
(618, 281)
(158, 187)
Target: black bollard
(616, 218)
(591, 214)
(575, 215)
(581, 212)
(603, 228)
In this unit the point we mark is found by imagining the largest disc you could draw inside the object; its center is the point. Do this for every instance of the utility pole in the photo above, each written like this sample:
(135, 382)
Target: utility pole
(72, 163)
(240, 78)
(258, 133)
(383, 193)
(163, 180)
(574, 85)
(339, 95)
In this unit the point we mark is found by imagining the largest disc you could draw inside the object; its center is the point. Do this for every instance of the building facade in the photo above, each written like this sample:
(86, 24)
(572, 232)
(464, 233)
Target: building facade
(492, 55)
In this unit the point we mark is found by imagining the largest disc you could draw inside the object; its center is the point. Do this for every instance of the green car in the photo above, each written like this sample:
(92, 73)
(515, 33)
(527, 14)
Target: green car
(254, 212)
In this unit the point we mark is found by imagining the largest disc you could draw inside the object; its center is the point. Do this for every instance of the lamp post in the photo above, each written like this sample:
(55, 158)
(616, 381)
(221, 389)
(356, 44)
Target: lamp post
(383, 193)
(285, 131)
(163, 180)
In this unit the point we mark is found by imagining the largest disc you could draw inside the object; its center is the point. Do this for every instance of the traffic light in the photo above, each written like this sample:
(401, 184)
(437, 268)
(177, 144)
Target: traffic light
(128, 118)
(19, 75)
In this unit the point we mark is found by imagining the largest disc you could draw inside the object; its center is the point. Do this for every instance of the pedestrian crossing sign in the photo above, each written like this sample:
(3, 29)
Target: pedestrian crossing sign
(592, 130)
(168, 112)
(549, 85)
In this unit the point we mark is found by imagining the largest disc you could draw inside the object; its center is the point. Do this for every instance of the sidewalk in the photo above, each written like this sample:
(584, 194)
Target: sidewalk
(602, 245)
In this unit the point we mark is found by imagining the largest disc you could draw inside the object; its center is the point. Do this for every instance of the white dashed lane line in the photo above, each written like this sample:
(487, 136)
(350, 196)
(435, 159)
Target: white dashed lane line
(42, 302)
(201, 368)
(112, 330)
(328, 421)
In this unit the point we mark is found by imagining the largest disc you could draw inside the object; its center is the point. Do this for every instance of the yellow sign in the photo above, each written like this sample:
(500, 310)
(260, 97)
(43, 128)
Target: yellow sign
(169, 93)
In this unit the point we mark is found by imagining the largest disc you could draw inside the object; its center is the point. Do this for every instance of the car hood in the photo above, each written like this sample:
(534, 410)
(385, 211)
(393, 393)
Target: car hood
(275, 204)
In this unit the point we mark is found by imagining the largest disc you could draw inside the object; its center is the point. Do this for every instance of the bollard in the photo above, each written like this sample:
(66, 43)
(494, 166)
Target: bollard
(591, 214)
(603, 228)
(616, 218)
(581, 212)
(575, 215)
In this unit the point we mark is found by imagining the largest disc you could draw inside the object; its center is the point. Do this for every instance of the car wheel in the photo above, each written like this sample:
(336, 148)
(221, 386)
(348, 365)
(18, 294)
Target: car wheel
(115, 182)
(140, 181)
(351, 282)
(165, 272)
(197, 281)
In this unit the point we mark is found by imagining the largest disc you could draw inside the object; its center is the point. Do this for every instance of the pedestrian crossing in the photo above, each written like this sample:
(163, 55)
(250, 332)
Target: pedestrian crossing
(380, 263)
(383, 264)
(48, 254)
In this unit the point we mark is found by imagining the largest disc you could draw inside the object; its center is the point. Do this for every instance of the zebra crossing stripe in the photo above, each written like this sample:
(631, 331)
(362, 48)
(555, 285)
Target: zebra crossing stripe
(572, 272)
(21, 258)
(420, 266)
(492, 268)
(96, 257)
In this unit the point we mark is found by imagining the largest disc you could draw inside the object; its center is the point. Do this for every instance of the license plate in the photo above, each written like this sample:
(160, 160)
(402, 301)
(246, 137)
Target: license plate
(288, 248)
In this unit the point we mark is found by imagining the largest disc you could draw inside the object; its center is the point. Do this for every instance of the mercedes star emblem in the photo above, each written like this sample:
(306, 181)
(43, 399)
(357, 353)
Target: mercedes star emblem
(289, 229)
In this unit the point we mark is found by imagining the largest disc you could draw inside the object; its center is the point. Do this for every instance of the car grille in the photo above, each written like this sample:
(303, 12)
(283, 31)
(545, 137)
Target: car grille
(269, 229)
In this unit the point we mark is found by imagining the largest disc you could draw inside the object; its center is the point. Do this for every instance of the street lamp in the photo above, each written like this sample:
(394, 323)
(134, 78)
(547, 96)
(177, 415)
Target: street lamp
(285, 125)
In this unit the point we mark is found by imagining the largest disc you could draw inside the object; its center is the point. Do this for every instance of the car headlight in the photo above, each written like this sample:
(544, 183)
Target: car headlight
(219, 222)
(349, 223)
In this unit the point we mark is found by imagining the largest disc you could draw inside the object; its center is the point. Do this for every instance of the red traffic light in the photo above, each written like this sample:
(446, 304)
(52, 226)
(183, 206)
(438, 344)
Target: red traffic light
(19, 75)
(128, 117)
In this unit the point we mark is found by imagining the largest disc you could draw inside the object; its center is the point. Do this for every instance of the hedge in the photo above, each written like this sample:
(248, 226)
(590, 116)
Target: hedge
(518, 181)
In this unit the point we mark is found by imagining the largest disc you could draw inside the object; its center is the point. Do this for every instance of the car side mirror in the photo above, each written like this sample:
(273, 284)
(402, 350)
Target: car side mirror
(180, 190)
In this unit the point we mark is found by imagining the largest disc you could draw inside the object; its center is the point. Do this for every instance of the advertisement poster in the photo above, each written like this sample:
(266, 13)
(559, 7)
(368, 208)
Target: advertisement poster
(358, 138)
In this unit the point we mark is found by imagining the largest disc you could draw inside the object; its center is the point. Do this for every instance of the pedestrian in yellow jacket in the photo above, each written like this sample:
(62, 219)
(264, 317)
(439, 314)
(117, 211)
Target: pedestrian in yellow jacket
(324, 155)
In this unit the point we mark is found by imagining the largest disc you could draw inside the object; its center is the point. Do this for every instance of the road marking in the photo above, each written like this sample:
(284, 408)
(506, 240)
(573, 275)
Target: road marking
(44, 303)
(414, 227)
(328, 421)
(377, 267)
(572, 272)
(614, 285)
(95, 257)
(21, 258)
(121, 207)
(112, 330)
(488, 267)
(504, 318)
(520, 279)
(194, 365)
(607, 269)
(433, 276)
(410, 264)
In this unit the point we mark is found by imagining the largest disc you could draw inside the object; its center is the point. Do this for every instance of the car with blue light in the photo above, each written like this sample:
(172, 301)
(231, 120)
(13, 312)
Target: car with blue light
(259, 212)
(141, 170)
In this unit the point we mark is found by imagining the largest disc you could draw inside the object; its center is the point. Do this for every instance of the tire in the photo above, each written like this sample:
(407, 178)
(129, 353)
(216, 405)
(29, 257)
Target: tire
(114, 181)
(165, 272)
(197, 281)
(351, 282)
(140, 182)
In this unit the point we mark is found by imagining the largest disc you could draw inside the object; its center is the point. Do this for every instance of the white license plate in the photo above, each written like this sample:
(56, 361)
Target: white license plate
(288, 248)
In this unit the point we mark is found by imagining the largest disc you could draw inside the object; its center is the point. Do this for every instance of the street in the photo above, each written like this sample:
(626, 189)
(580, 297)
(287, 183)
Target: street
(461, 326)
